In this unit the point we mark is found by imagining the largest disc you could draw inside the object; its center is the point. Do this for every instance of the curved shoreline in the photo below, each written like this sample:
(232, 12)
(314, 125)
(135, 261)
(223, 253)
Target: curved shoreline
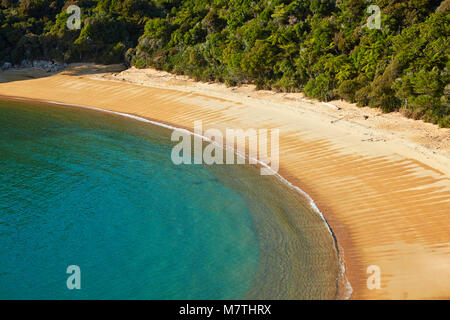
(383, 183)
(342, 280)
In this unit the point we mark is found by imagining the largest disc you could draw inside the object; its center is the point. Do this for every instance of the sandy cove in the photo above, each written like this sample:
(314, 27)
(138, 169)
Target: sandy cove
(381, 181)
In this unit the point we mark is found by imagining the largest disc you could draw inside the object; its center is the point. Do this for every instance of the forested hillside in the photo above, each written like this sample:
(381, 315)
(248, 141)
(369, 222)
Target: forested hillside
(322, 47)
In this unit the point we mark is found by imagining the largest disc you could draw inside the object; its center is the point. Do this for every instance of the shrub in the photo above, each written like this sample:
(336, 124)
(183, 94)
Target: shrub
(319, 87)
(348, 88)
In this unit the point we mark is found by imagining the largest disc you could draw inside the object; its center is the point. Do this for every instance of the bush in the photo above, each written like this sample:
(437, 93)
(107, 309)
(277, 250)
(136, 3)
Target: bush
(444, 122)
(319, 87)
(115, 54)
(362, 96)
(348, 88)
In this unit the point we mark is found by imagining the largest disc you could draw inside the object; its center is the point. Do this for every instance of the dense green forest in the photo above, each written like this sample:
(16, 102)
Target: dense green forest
(321, 47)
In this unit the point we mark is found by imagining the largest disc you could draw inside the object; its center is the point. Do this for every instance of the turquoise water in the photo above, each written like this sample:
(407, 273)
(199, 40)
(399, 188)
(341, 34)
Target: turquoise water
(99, 191)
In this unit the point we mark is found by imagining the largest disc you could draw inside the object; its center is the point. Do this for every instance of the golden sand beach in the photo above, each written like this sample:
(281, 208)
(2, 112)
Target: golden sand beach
(381, 180)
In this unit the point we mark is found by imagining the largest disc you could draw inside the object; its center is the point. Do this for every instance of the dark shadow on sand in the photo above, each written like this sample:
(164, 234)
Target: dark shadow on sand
(73, 69)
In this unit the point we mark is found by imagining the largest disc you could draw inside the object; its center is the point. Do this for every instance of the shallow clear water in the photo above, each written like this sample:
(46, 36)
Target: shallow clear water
(84, 188)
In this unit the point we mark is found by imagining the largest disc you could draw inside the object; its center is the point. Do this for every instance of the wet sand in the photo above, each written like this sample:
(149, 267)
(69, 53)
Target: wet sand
(384, 191)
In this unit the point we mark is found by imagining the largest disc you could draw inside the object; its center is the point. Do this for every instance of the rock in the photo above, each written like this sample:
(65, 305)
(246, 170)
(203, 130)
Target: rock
(7, 65)
(366, 117)
(42, 64)
(49, 66)
(26, 64)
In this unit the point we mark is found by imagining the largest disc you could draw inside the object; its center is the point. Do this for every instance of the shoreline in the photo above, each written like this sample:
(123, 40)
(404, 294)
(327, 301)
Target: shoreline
(345, 178)
(344, 288)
